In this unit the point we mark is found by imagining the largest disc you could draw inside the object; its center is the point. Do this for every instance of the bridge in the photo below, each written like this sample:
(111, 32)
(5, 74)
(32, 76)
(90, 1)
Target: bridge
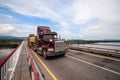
(78, 64)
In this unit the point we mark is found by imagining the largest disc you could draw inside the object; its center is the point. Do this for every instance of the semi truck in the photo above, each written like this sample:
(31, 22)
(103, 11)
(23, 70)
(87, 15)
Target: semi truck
(47, 42)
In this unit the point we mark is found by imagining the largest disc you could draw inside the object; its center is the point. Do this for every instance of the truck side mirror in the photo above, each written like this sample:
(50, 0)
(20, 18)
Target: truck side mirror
(59, 37)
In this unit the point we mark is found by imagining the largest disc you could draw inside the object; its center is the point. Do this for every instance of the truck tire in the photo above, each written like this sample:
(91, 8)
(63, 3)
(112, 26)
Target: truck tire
(63, 54)
(44, 54)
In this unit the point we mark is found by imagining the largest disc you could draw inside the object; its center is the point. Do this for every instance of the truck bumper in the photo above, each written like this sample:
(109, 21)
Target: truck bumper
(56, 53)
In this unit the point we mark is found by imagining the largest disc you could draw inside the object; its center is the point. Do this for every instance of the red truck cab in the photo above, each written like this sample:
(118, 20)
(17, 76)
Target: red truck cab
(48, 44)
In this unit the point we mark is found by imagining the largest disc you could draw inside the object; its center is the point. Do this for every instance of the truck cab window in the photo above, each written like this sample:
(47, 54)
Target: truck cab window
(49, 36)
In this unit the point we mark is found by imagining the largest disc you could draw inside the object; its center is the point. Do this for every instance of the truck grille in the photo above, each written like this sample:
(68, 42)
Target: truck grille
(59, 46)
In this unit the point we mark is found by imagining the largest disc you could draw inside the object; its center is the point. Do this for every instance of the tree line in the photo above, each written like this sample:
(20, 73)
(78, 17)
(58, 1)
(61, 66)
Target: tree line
(9, 43)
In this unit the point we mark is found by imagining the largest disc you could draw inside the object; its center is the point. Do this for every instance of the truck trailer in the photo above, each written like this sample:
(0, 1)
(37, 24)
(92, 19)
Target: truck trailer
(48, 43)
(32, 41)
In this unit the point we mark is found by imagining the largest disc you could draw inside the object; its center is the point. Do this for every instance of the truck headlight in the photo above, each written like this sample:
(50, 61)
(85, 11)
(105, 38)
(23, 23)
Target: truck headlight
(50, 49)
(50, 40)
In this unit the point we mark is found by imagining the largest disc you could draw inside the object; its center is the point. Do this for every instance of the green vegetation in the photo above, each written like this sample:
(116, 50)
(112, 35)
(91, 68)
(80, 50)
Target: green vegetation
(9, 43)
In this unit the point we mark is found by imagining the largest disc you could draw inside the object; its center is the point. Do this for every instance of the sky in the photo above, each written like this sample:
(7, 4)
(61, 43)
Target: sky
(72, 19)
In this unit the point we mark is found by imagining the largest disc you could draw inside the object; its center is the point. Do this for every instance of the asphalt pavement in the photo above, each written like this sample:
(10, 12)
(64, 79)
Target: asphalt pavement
(77, 66)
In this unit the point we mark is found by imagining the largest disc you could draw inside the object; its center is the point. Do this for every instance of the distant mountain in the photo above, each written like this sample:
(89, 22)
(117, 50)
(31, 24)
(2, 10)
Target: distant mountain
(13, 37)
(23, 38)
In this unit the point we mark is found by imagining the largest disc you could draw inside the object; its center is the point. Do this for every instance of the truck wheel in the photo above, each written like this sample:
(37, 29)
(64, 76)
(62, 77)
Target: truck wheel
(63, 54)
(44, 54)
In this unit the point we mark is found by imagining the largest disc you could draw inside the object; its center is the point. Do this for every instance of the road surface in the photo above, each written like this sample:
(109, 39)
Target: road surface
(78, 66)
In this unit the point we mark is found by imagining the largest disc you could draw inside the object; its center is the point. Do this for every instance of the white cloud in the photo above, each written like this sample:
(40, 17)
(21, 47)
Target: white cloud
(101, 32)
(88, 17)
(6, 28)
(23, 30)
(17, 29)
(6, 16)
(9, 16)
(38, 8)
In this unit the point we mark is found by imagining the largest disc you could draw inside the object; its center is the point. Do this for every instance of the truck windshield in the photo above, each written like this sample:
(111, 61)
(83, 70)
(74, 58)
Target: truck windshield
(50, 36)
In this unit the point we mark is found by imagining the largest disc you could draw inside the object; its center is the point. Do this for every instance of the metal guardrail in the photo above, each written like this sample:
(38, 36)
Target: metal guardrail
(35, 73)
(104, 51)
(108, 44)
(97, 48)
(8, 64)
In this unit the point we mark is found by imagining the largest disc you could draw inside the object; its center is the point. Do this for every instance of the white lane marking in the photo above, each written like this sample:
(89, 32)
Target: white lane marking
(94, 65)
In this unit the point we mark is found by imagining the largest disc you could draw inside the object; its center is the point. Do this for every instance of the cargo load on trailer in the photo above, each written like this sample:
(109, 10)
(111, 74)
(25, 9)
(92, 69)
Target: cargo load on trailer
(32, 41)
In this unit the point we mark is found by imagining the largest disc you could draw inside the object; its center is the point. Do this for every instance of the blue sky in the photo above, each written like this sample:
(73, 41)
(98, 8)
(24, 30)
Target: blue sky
(72, 19)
